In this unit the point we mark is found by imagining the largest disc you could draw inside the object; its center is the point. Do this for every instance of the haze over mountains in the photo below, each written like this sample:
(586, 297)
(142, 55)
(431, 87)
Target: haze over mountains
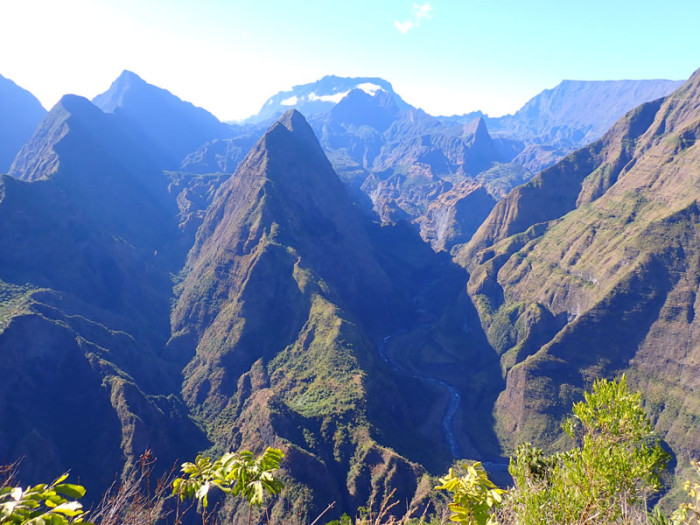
(365, 286)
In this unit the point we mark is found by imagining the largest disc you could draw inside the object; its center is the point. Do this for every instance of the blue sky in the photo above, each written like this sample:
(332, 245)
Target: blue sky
(446, 56)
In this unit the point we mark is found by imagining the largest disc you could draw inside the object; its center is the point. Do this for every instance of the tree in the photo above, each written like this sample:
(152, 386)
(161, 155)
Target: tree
(238, 474)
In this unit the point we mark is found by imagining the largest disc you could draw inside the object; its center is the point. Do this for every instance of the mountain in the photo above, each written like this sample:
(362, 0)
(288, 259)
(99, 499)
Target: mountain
(20, 113)
(578, 112)
(86, 292)
(395, 159)
(319, 97)
(573, 114)
(403, 164)
(175, 127)
(591, 269)
(293, 300)
(247, 299)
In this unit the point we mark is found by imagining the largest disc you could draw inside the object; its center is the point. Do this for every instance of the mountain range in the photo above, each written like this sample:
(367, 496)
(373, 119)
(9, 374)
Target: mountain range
(444, 174)
(368, 288)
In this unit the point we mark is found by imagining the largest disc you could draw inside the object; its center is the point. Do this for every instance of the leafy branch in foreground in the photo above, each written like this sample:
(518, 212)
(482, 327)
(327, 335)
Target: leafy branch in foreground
(52, 504)
(474, 495)
(238, 474)
(689, 513)
(607, 478)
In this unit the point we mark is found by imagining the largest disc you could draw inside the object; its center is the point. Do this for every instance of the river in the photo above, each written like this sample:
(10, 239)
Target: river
(453, 404)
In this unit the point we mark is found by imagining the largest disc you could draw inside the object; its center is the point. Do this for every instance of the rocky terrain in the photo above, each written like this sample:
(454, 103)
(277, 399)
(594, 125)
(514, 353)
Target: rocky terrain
(403, 164)
(590, 270)
(372, 290)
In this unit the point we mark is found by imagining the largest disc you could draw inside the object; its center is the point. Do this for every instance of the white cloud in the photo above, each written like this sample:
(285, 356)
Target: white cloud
(335, 98)
(422, 11)
(369, 88)
(419, 12)
(291, 101)
(403, 27)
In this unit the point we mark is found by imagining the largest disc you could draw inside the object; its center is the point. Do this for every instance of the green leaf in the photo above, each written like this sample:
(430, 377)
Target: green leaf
(70, 490)
(71, 508)
(60, 479)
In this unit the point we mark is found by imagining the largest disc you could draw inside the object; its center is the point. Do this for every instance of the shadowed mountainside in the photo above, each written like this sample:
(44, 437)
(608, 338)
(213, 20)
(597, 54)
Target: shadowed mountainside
(174, 128)
(20, 112)
(248, 299)
(85, 300)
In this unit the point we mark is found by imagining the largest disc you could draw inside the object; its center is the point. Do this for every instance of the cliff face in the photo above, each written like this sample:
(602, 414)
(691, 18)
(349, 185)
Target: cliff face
(592, 268)
(297, 321)
(577, 112)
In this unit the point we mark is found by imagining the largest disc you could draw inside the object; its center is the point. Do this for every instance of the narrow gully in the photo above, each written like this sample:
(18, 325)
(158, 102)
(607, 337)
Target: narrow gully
(452, 406)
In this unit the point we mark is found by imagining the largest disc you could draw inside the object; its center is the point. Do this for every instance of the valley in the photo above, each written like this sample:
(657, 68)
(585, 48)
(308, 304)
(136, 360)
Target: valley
(376, 291)
(453, 393)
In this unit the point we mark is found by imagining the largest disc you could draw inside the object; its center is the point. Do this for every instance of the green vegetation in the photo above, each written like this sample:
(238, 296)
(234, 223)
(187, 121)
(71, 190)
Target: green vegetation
(14, 300)
(608, 477)
(690, 512)
(474, 496)
(52, 504)
(239, 474)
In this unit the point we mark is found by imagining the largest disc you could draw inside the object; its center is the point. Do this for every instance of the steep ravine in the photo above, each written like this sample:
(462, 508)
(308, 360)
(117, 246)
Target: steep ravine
(452, 406)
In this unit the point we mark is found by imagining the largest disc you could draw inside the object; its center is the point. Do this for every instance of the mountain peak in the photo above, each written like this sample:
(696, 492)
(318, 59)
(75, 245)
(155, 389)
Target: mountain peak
(75, 104)
(322, 95)
(20, 112)
(119, 89)
(475, 127)
(129, 75)
(127, 80)
(294, 121)
(37, 158)
(296, 128)
(175, 126)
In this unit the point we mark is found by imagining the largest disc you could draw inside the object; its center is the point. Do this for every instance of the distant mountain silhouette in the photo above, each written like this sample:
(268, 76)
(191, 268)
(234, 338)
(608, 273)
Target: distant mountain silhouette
(174, 126)
(20, 112)
(395, 159)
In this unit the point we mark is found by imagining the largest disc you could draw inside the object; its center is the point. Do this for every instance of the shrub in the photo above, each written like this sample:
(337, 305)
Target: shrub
(689, 513)
(606, 479)
(474, 496)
